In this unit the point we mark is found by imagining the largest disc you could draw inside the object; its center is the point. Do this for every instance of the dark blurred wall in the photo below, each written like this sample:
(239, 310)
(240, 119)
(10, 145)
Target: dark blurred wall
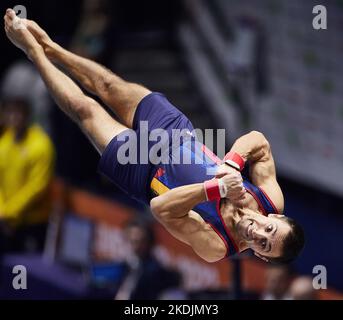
(139, 15)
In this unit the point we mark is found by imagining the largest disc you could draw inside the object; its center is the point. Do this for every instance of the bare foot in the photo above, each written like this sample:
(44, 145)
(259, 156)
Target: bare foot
(40, 35)
(43, 39)
(17, 32)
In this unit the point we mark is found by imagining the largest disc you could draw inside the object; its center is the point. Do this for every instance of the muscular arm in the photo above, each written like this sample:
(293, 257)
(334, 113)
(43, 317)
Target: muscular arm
(176, 203)
(255, 148)
(252, 146)
(173, 210)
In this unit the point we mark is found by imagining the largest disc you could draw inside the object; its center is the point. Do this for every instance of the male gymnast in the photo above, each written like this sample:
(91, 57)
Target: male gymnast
(217, 214)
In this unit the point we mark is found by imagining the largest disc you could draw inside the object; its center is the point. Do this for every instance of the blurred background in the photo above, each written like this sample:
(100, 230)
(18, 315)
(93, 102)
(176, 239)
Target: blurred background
(236, 65)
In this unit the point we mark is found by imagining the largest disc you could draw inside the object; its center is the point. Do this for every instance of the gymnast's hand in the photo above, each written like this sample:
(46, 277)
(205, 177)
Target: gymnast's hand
(232, 181)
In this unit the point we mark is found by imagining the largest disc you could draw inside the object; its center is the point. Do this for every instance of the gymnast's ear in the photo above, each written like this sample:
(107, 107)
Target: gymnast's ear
(261, 257)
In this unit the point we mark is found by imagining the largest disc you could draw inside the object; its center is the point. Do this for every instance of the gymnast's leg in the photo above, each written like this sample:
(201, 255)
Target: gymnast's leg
(119, 95)
(93, 120)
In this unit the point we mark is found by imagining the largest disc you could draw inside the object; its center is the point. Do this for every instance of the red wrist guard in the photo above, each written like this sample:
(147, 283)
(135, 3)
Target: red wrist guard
(233, 159)
(212, 189)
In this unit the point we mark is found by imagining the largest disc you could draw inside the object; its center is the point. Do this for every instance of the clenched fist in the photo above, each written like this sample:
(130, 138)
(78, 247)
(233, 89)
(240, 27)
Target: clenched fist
(231, 181)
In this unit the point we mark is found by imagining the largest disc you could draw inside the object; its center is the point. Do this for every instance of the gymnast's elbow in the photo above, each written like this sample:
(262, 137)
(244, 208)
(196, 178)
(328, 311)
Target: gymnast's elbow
(211, 259)
(165, 209)
(208, 255)
(260, 137)
(158, 208)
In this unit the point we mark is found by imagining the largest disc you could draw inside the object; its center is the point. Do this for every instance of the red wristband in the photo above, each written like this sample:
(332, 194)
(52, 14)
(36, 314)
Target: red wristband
(233, 159)
(212, 189)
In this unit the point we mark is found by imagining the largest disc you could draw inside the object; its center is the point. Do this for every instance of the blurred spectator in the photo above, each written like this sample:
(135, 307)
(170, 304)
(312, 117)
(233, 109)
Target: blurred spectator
(278, 279)
(22, 80)
(302, 289)
(146, 278)
(26, 168)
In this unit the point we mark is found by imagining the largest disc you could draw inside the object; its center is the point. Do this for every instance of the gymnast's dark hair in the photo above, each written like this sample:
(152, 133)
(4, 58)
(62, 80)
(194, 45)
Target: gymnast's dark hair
(292, 244)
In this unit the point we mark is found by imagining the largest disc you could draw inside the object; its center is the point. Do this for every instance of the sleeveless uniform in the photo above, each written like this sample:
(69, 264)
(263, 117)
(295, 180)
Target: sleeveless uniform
(144, 179)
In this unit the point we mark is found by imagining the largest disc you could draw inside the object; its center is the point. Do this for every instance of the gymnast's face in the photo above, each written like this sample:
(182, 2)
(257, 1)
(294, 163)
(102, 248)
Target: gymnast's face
(264, 235)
